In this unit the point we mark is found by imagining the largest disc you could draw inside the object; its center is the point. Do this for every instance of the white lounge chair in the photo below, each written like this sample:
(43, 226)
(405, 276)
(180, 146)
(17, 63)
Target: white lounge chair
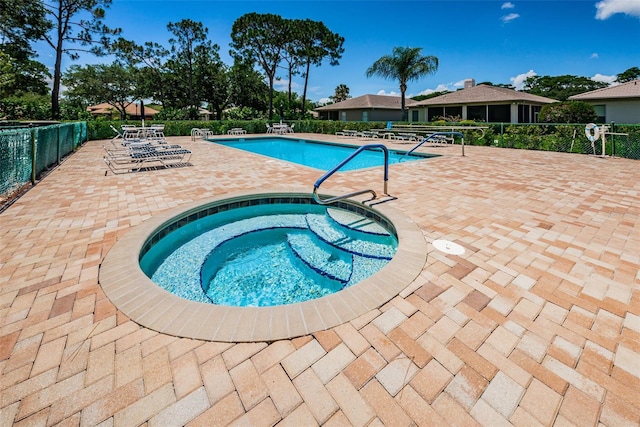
(137, 159)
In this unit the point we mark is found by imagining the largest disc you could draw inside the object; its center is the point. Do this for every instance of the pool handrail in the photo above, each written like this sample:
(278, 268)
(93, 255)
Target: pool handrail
(428, 137)
(335, 169)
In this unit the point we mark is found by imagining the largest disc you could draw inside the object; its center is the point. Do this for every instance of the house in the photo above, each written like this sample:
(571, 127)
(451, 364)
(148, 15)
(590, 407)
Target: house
(133, 111)
(365, 108)
(482, 103)
(204, 114)
(620, 103)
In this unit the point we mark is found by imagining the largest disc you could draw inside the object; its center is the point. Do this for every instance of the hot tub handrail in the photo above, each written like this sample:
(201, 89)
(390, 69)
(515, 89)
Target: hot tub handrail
(428, 137)
(330, 172)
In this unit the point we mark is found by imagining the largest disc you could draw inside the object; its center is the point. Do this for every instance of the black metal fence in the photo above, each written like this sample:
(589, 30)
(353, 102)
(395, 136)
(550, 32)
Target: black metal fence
(25, 153)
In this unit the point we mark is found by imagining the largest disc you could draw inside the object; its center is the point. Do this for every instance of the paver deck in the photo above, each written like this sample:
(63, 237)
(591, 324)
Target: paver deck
(537, 323)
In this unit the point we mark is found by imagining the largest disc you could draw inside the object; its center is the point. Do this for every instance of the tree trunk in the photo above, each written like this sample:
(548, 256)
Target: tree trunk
(304, 91)
(270, 97)
(57, 77)
(403, 90)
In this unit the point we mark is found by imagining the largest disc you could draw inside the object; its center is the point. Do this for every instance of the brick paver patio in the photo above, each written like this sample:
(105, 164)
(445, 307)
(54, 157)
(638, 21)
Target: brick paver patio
(537, 323)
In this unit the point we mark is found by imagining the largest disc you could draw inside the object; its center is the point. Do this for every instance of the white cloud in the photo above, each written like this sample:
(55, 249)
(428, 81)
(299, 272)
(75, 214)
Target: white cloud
(283, 85)
(604, 78)
(510, 17)
(518, 81)
(507, 5)
(607, 8)
(441, 88)
(324, 101)
(392, 93)
(594, 55)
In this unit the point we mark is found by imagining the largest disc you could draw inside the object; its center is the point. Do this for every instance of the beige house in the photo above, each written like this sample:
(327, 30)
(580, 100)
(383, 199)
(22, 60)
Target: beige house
(482, 103)
(133, 111)
(365, 108)
(619, 104)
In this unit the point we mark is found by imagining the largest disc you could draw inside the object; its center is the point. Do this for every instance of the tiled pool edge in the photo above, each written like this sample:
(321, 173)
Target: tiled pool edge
(132, 292)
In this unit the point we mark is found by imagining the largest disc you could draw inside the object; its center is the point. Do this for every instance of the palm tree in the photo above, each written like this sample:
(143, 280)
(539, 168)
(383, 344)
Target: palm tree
(405, 64)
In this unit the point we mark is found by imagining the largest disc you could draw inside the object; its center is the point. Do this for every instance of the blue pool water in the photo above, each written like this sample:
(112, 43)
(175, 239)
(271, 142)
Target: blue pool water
(316, 154)
(269, 254)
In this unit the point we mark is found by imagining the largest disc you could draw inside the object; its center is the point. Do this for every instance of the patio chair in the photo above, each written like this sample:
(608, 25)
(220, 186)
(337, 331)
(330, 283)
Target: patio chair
(118, 134)
(136, 160)
(156, 132)
(200, 133)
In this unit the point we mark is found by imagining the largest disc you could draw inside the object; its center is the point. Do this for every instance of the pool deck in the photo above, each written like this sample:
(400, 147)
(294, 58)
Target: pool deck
(537, 323)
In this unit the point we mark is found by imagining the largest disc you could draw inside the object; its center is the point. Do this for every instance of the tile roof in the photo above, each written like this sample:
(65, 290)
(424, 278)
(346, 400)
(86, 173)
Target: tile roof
(368, 101)
(133, 109)
(625, 90)
(483, 94)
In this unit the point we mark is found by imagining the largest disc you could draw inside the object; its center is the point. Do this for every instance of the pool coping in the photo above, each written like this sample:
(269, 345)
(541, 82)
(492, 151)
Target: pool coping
(146, 303)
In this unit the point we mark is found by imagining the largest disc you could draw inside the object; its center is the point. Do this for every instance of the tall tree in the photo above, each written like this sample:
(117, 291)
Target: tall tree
(293, 32)
(150, 58)
(314, 43)
(248, 87)
(6, 76)
(629, 75)
(211, 78)
(340, 93)
(404, 64)
(76, 26)
(21, 22)
(113, 83)
(188, 35)
(261, 38)
(560, 87)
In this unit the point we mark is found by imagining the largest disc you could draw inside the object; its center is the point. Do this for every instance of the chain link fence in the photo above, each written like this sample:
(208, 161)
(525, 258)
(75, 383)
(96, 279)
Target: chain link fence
(615, 140)
(26, 153)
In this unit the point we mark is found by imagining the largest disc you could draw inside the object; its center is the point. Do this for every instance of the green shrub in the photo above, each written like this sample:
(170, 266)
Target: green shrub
(567, 112)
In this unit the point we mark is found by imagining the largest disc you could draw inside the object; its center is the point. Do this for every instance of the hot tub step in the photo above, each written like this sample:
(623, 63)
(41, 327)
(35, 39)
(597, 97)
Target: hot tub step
(356, 223)
(328, 261)
(325, 229)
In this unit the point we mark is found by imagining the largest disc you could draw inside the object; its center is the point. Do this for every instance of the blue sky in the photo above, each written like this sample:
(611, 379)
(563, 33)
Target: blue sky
(496, 41)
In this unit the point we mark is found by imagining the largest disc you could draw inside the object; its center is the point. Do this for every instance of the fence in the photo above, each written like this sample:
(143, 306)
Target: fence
(25, 153)
(619, 140)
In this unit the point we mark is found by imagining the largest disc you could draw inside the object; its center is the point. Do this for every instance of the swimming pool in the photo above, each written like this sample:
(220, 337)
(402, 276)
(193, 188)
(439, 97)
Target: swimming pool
(318, 155)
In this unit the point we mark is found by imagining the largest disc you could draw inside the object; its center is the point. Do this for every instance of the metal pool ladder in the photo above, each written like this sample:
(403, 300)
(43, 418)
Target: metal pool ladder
(433, 136)
(335, 169)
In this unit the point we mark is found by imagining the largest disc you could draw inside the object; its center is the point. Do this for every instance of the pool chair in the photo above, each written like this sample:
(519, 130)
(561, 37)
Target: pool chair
(269, 128)
(128, 148)
(118, 134)
(156, 133)
(136, 160)
(200, 133)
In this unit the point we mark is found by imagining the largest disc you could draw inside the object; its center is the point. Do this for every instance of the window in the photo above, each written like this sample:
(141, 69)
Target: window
(435, 113)
(535, 110)
(365, 116)
(453, 112)
(343, 116)
(414, 116)
(523, 114)
(500, 113)
(477, 113)
(601, 112)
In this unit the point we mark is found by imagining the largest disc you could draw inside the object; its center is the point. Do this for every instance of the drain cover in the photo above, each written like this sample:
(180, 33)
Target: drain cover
(448, 247)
